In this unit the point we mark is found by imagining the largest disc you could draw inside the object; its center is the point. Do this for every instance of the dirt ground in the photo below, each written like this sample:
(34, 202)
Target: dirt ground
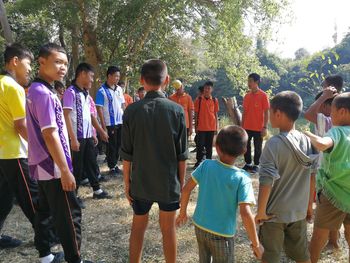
(106, 228)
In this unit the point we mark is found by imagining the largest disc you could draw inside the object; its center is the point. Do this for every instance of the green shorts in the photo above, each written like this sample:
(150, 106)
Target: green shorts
(291, 237)
(328, 216)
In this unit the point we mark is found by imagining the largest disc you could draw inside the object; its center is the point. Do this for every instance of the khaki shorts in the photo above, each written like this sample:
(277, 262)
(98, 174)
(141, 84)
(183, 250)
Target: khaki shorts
(328, 216)
(291, 237)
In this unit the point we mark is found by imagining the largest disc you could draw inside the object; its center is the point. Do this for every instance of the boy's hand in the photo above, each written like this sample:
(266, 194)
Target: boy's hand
(127, 194)
(104, 136)
(68, 182)
(95, 140)
(181, 219)
(75, 145)
(262, 217)
(258, 251)
(329, 92)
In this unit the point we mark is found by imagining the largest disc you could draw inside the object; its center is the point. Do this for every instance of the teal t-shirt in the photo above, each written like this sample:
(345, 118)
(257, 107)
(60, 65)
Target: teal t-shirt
(221, 189)
(333, 177)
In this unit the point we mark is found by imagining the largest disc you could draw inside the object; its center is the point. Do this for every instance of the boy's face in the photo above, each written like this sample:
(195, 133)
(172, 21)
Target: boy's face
(180, 91)
(275, 118)
(340, 116)
(22, 69)
(141, 94)
(207, 91)
(114, 78)
(252, 84)
(88, 79)
(54, 66)
(326, 109)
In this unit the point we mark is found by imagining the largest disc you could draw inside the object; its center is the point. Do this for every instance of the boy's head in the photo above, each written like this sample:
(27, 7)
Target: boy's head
(341, 110)
(154, 74)
(141, 92)
(253, 81)
(18, 60)
(122, 85)
(84, 75)
(53, 62)
(208, 88)
(232, 141)
(59, 87)
(335, 81)
(200, 90)
(113, 75)
(179, 88)
(286, 107)
(326, 106)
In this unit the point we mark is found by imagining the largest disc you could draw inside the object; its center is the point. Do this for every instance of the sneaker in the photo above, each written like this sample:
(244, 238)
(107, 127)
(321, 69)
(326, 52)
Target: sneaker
(115, 171)
(248, 168)
(255, 169)
(102, 178)
(59, 257)
(194, 150)
(81, 203)
(103, 195)
(9, 242)
(84, 182)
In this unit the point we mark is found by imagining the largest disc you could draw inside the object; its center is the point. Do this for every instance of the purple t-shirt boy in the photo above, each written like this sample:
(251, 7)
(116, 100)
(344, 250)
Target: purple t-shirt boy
(44, 111)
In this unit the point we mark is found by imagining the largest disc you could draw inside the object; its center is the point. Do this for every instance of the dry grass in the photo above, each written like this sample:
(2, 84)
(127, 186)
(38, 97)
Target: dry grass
(106, 228)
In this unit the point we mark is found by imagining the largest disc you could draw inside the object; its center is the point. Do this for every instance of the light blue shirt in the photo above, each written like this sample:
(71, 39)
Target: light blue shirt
(221, 189)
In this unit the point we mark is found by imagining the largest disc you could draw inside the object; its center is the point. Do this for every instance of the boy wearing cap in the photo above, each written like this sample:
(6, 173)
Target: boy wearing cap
(185, 100)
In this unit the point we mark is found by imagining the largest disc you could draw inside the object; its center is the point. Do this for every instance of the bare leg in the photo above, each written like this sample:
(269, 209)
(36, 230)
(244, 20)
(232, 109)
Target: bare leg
(138, 229)
(347, 236)
(334, 239)
(167, 226)
(318, 242)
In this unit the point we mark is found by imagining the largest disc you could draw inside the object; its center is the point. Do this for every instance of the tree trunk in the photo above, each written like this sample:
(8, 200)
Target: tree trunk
(232, 110)
(75, 46)
(89, 14)
(5, 24)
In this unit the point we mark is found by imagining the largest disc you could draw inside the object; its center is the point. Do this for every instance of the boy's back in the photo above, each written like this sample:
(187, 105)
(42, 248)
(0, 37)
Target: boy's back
(221, 189)
(154, 140)
(279, 165)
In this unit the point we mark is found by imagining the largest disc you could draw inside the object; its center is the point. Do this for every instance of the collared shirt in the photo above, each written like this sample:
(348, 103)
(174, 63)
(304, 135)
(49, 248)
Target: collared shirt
(154, 139)
(78, 101)
(44, 111)
(12, 108)
(186, 102)
(254, 106)
(112, 100)
(206, 109)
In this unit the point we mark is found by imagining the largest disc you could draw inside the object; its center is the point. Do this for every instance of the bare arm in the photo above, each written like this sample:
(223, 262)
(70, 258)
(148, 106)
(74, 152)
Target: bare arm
(321, 144)
(243, 118)
(190, 117)
(311, 197)
(313, 110)
(74, 141)
(126, 175)
(56, 151)
(100, 115)
(182, 172)
(21, 128)
(185, 197)
(99, 129)
(250, 227)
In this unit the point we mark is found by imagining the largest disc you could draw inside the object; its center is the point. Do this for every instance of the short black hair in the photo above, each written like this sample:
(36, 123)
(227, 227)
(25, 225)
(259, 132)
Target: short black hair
(329, 101)
(255, 77)
(17, 50)
(58, 85)
(342, 101)
(121, 83)
(140, 89)
(208, 83)
(232, 140)
(154, 72)
(335, 81)
(201, 89)
(288, 102)
(47, 49)
(112, 69)
(83, 67)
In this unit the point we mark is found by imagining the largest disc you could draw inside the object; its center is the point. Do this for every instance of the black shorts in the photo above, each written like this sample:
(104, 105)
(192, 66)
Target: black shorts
(142, 207)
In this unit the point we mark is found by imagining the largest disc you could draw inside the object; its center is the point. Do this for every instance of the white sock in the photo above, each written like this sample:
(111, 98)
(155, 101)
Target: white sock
(47, 259)
(99, 191)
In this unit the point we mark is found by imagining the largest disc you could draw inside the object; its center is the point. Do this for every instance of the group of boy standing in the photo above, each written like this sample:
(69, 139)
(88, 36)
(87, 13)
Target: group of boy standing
(152, 136)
